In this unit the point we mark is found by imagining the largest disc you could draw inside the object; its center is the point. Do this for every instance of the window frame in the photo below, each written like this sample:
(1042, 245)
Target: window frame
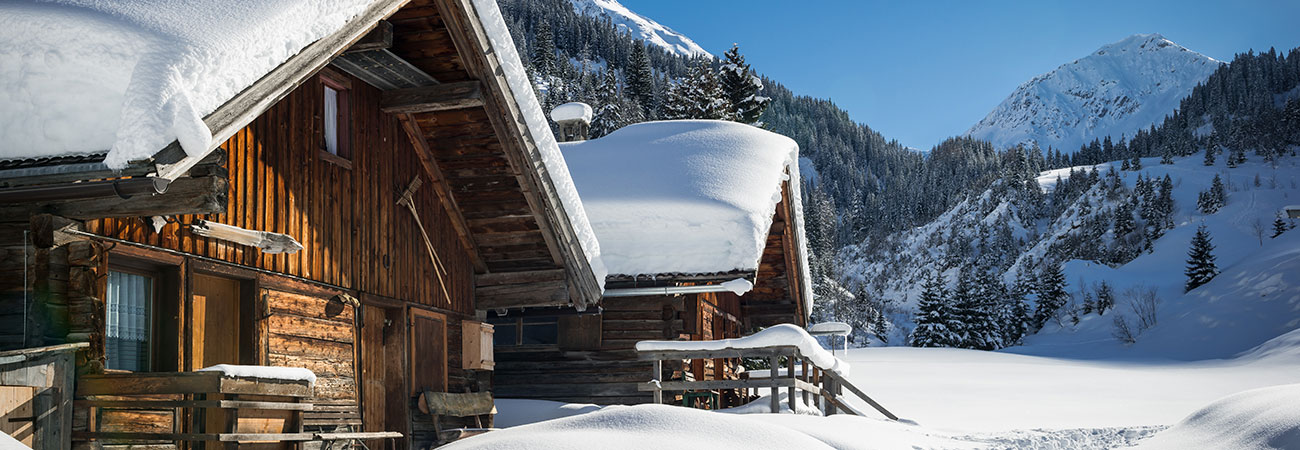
(517, 323)
(343, 118)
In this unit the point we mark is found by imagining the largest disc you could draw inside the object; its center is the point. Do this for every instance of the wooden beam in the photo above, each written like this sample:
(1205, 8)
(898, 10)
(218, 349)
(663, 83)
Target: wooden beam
(500, 278)
(439, 182)
(550, 293)
(440, 97)
(377, 39)
(187, 195)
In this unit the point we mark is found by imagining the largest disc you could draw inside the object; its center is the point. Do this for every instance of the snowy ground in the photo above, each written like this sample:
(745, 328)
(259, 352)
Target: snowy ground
(952, 398)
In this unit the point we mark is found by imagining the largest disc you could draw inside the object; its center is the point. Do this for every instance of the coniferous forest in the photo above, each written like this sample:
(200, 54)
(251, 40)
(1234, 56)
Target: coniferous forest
(993, 282)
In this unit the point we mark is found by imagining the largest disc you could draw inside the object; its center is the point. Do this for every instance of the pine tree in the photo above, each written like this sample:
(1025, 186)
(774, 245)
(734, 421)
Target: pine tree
(1051, 294)
(1013, 317)
(708, 99)
(935, 320)
(1167, 157)
(543, 60)
(640, 79)
(1105, 298)
(1211, 200)
(613, 109)
(1279, 226)
(1200, 260)
(1209, 155)
(741, 88)
(1136, 162)
(677, 103)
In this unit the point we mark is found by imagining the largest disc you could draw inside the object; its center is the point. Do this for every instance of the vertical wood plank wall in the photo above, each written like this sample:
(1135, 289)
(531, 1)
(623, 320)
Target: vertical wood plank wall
(355, 235)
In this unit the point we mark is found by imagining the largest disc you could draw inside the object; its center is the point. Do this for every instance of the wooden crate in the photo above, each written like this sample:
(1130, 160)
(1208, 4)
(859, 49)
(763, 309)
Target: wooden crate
(17, 414)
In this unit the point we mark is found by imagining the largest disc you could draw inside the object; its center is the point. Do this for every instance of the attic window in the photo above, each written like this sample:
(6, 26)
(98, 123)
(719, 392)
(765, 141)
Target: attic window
(336, 143)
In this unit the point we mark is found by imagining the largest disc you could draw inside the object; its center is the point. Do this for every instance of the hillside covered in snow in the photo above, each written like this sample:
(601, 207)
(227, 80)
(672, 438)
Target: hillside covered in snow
(1123, 87)
(640, 27)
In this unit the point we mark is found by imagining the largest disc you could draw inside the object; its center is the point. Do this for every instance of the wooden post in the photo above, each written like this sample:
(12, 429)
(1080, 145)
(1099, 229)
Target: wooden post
(657, 376)
(774, 362)
(817, 381)
(829, 388)
(789, 391)
(803, 368)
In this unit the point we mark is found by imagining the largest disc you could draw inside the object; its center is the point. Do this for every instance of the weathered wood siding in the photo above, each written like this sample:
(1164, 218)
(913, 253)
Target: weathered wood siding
(355, 235)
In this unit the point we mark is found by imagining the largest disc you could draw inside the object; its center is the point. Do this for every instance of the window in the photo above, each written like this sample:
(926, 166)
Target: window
(130, 314)
(337, 141)
(516, 331)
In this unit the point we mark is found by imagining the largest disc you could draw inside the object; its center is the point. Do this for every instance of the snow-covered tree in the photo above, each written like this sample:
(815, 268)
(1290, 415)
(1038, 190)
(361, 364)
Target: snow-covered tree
(1200, 260)
(1051, 293)
(1279, 226)
(936, 320)
(741, 87)
(640, 78)
(1105, 297)
(544, 61)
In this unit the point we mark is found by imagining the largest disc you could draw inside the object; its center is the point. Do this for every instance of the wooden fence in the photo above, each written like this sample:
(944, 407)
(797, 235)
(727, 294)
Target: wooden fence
(37, 394)
(813, 382)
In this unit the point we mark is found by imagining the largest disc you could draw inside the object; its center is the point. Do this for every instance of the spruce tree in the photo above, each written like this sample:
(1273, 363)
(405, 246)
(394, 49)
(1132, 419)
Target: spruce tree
(707, 98)
(1105, 298)
(1209, 156)
(935, 319)
(1136, 162)
(543, 60)
(741, 87)
(1279, 226)
(1051, 293)
(1200, 260)
(640, 79)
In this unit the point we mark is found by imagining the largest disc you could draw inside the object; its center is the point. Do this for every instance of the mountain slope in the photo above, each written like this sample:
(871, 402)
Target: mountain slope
(1120, 88)
(640, 27)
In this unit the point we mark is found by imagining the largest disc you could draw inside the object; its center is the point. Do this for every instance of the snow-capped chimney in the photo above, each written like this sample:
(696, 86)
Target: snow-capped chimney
(574, 119)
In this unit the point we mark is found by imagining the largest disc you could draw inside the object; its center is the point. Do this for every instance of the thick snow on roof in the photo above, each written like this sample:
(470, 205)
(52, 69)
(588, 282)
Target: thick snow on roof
(131, 76)
(683, 196)
(572, 111)
(522, 89)
(783, 334)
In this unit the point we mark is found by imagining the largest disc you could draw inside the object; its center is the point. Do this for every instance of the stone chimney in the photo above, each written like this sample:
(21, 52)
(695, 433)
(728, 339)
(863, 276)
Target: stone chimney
(574, 119)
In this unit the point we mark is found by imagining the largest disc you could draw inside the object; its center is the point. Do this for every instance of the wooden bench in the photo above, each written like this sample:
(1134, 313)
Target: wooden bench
(339, 424)
(478, 405)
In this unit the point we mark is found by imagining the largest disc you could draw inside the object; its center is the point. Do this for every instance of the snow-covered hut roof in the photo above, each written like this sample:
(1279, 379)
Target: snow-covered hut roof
(685, 196)
(131, 76)
(127, 78)
(572, 111)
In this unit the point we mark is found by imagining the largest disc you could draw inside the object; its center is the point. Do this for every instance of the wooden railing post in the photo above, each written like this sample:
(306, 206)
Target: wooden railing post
(803, 370)
(829, 388)
(774, 362)
(656, 377)
(789, 391)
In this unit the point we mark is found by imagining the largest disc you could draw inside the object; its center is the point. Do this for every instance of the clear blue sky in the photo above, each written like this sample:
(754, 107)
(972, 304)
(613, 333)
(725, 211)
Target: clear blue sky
(920, 71)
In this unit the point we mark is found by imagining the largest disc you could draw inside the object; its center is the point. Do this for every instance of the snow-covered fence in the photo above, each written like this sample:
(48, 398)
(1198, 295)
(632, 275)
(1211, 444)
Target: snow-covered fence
(823, 376)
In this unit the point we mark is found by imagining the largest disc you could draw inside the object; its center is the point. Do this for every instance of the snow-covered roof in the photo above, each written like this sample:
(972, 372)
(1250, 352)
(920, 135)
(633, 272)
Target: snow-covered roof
(572, 111)
(131, 76)
(684, 196)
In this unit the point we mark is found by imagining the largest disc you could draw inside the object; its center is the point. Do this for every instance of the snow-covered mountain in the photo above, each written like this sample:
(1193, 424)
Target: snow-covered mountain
(641, 27)
(1120, 88)
(1251, 301)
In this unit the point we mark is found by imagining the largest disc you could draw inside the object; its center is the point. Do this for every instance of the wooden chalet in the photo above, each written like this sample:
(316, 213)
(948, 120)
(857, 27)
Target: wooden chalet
(424, 202)
(590, 357)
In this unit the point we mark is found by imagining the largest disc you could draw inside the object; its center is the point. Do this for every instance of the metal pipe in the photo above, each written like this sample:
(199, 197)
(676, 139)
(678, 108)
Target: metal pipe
(124, 188)
(666, 290)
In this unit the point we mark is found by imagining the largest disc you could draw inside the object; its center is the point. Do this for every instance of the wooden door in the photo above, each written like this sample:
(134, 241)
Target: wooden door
(214, 335)
(428, 347)
(383, 390)
(214, 326)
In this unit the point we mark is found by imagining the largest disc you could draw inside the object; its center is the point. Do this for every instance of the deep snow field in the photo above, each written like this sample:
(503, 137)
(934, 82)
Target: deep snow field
(952, 398)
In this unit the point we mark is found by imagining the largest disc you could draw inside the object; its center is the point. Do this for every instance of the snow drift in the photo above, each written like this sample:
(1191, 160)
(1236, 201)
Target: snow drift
(1265, 418)
(783, 334)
